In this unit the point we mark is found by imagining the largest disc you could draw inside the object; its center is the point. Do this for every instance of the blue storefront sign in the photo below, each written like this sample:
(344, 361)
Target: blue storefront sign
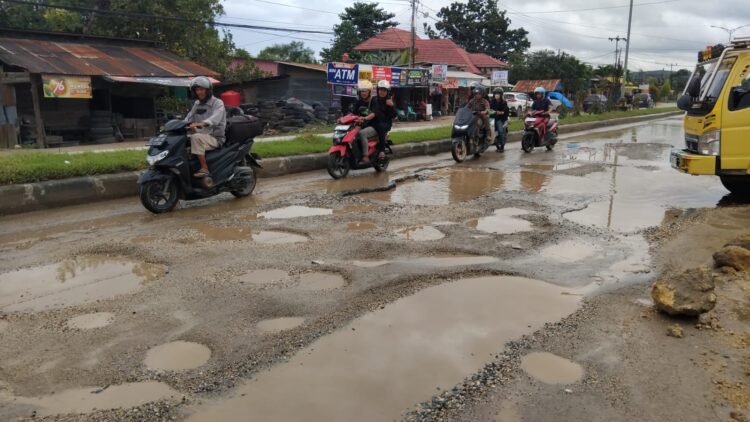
(343, 73)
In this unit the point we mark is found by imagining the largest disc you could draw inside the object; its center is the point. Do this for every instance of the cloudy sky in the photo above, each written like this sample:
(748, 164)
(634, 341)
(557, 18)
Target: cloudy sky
(664, 31)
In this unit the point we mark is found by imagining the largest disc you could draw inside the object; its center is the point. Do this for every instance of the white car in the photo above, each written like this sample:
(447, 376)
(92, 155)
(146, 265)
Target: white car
(518, 103)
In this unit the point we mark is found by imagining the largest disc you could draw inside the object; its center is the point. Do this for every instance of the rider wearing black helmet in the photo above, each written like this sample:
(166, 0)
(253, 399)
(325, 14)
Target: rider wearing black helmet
(481, 106)
(208, 119)
(500, 107)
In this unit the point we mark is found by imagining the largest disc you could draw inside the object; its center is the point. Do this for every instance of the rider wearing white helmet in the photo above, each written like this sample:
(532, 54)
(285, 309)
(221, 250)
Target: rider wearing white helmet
(385, 112)
(208, 119)
(363, 108)
(541, 102)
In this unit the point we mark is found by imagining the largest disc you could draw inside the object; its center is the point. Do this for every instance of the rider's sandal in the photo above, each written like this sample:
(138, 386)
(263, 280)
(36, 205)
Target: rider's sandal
(201, 174)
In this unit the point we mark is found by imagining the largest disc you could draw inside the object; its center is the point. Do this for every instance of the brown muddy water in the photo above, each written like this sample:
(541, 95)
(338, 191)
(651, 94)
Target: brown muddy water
(295, 211)
(378, 366)
(439, 261)
(177, 356)
(551, 369)
(420, 233)
(91, 321)
(74, 281)
(502, 221)
(321, 281)
(361, 226)
(569, 251)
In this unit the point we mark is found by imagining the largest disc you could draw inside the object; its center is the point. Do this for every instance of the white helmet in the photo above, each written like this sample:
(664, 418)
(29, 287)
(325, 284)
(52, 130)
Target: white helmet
(384, 85)
(364, 85)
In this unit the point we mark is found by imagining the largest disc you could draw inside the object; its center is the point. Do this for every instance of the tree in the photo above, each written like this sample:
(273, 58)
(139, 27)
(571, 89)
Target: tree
(679, 79)
(246, 71)
(548, 64)
(295, 52)
(666, 90)
(479, 26)
(358, 23)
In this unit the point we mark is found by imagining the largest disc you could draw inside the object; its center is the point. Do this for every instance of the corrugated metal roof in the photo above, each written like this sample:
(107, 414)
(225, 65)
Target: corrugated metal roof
(74, 58)
(529, 86)
(311, 66)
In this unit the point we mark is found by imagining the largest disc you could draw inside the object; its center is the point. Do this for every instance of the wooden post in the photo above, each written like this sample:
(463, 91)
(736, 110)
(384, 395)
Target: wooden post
(41, 141)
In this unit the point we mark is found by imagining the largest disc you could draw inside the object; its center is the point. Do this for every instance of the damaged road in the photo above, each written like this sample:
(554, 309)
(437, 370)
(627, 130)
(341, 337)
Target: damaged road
(512, 287)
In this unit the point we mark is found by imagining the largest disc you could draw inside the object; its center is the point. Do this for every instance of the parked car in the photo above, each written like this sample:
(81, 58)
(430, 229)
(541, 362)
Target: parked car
(643, 100)
(518, 103)
(593, 99)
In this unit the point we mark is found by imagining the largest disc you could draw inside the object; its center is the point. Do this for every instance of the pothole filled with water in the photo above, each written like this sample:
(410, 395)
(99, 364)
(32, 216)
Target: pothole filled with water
(570, 251)
(91, 321)
(361, 226)
(279, 324)
(89, 399)
(502, 221)
(295, 211)
(321, 281)
(382, 363)
(211, 232)
(420, 233)
(73, 282)
(264, 276)
(438, 261)
(177, 356)
(277, 237)
(551, 369)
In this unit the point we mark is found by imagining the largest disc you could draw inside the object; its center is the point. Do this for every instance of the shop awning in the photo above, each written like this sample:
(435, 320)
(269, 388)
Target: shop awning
(459, 79)
(154, 80)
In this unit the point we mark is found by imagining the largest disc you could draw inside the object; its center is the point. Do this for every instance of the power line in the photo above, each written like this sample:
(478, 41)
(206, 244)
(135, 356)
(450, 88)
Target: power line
(297, 7)
(602, 8)
(170, 18)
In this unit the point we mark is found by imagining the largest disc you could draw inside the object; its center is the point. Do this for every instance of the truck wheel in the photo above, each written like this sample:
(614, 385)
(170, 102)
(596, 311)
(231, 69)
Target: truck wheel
(738, 185)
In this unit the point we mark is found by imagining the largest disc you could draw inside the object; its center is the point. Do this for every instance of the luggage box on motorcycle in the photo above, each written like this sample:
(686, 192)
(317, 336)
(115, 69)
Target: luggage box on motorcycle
(243, 127)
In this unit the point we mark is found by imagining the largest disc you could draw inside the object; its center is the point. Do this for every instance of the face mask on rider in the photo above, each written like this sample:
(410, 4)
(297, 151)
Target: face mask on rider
(497, 96)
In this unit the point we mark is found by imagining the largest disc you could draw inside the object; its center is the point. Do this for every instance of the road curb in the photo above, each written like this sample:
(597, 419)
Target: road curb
(80, 190)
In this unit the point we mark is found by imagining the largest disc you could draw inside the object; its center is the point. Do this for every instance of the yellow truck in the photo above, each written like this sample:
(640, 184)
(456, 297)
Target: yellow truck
(716, 102)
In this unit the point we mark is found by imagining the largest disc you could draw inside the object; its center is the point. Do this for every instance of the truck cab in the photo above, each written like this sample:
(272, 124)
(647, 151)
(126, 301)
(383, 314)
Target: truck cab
(716, 102)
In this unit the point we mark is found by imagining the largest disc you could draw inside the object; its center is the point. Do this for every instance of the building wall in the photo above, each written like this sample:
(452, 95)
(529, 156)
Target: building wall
(307, 85)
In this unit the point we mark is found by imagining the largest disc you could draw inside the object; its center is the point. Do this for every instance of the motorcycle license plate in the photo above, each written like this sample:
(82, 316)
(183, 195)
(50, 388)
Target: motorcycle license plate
(530, 120)
(342, 128)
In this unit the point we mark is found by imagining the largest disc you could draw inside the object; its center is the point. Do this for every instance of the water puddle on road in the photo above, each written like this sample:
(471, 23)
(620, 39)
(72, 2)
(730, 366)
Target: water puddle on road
(279, 324)
(351, 209)
(370, 263)
(570, 251)
(295, 211)
(321, 281)
(360, 226)
(384, 362)
(440, 261)
(74, 281)
(502, 221)
(420, 233)
(264, 276)
(276, 237)
(551, 369)
(91, 321)
(88, 399)
(177, 356)
(211, 232)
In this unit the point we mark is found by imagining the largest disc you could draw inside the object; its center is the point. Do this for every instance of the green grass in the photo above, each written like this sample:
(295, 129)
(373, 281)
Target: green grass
(34, 166)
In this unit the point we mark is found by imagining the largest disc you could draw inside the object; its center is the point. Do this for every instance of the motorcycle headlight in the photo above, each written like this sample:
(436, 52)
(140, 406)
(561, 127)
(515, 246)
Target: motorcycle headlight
(461, 127)
(710, 143)
(153, 159)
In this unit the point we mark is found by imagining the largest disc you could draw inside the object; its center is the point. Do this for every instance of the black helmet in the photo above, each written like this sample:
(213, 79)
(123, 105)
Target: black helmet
(477, 90)
(498, 90)
(202, 82)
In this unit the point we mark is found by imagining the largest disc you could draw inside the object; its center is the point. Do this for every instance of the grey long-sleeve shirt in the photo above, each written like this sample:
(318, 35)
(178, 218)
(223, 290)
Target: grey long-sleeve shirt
(213, 113)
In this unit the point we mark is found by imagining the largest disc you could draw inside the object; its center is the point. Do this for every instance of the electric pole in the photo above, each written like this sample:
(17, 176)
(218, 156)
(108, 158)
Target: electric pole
(627, 49)
(412, 52)
(730, 31)
(617, 40)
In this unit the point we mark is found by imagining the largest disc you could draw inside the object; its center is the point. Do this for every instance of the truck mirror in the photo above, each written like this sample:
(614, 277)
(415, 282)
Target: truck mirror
(694, 88)
(685, 102)
(737, 98)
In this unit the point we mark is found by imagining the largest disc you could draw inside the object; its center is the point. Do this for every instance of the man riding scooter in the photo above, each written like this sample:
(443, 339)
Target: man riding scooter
(208, 119)
(363, 107)
(501, 111)
(481, 106)
(385, 112)
(541, 102)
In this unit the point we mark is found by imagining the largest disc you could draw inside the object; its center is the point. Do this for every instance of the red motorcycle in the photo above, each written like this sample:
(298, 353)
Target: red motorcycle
(342, 156)
(539, 131)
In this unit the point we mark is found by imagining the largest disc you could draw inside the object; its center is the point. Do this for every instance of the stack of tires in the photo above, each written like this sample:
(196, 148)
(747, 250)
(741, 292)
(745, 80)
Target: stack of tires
(294, 116)
(320, 112)
(101, 128)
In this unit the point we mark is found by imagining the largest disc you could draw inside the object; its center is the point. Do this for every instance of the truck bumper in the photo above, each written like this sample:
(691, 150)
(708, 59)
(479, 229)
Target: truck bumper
(692, 163)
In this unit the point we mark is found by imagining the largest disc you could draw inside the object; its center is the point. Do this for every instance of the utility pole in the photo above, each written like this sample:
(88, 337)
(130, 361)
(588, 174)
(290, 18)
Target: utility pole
(617, 40)
(412, 52)
(730, 31)
(627, 49)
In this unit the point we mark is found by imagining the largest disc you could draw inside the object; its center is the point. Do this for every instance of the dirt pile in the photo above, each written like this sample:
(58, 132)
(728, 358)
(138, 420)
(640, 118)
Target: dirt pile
(732, 256)
(689, 293)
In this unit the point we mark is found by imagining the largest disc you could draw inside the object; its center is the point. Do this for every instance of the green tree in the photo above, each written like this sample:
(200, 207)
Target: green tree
(480, 26)
(246, 71)
(548, 64)
(295, 52)
(358, 23)
(679, 80)
(665, 91)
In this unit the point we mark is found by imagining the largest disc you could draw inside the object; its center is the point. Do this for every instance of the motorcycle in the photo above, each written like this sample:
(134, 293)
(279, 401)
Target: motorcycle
(467, 127)
(171, 166)
(539, 131)
(342, 156)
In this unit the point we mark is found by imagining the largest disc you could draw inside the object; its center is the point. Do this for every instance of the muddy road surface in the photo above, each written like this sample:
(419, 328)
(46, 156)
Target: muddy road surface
(513, 287)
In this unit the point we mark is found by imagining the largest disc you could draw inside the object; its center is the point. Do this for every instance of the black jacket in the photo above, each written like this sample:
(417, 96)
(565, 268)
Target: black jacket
(500, 106)
(383, 112)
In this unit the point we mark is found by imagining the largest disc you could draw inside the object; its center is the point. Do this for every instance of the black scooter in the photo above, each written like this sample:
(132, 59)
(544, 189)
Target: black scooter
(466, 135)
(171, 167)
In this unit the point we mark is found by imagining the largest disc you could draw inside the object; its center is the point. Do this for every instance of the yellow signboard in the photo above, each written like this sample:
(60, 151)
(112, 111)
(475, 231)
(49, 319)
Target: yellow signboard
(56, 86)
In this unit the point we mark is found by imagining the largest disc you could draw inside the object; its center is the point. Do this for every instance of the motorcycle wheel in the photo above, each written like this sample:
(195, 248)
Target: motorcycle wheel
(381, 165)
(159, 196)
(249, 182)
(459, 151)
(338, 165)
(527, 142)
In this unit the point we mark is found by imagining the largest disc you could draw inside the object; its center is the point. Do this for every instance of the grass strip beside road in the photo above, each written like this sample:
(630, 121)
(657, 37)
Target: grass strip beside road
(28, 166)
